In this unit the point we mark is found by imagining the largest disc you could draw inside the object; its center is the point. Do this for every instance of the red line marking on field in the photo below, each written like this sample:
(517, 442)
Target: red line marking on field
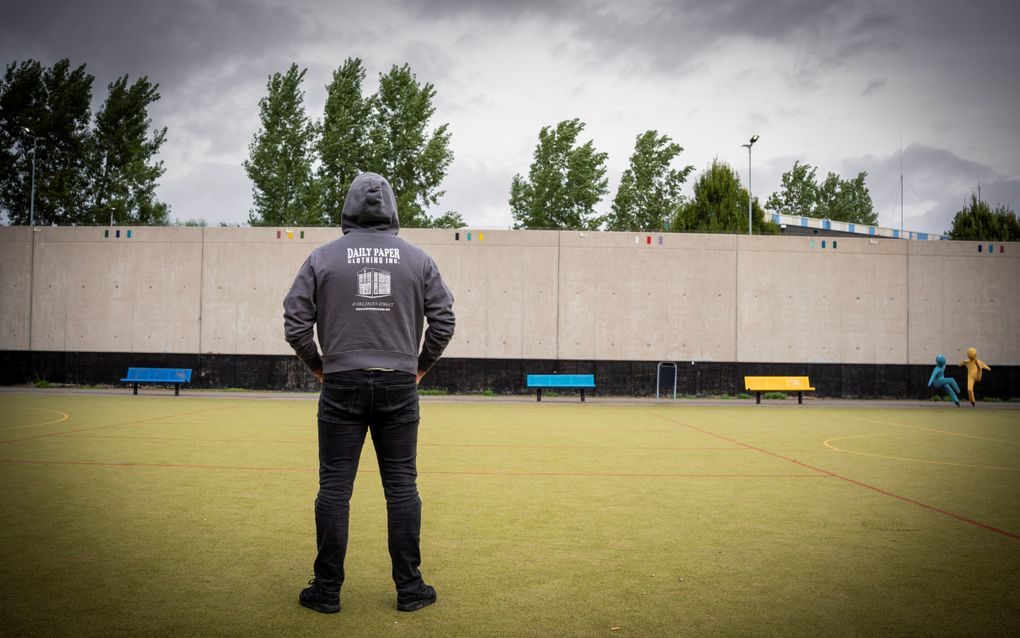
(374, 471)
(576, 447)
(457, 445)
(866, 486)
(618, 475)
(186, 439)
(111, 425)
(159, 465)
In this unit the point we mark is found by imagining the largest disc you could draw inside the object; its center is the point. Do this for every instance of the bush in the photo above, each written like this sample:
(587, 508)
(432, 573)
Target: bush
(432, 392)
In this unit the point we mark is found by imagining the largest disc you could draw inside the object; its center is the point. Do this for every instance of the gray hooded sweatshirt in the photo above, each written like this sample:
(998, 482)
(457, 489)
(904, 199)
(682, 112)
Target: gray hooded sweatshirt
(368, 292)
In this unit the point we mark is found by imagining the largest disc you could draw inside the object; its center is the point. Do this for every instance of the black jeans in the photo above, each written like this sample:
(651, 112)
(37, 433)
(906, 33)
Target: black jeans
(352, 403)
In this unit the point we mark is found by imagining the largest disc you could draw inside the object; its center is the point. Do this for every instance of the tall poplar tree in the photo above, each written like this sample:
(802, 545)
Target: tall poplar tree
(122, 166)
(564, 183)
(649, 197)
(281, 156)
(403, 149)
(343, 146)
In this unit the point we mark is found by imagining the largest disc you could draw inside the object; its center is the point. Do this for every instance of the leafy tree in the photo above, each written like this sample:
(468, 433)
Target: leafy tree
(343, 147)
(835, 198)
(449, 219)
(846, 200)
(720, 205)
(799, 192)
(281, 156)
(402, 149)
(649, 196)
(977, 221)
(45, 111)
(564, 183)
(123, 173)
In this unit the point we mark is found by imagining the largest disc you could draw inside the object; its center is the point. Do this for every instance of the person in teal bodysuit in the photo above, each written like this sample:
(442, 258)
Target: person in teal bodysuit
(939, 381)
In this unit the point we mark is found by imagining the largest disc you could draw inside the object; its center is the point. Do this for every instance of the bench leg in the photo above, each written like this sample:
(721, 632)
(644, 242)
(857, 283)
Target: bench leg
(539, 394)
(800, 398)
(177, 389)
(136, 388)
(758, 397)
(582, 395)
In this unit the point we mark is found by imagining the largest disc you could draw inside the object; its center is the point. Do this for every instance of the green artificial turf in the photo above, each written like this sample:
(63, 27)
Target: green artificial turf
(193, 516)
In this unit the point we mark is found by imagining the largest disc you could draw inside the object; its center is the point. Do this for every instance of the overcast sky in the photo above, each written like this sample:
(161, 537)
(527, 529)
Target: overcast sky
(836, 84)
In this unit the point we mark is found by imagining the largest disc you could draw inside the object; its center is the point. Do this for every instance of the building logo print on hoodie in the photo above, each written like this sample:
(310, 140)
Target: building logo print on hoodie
(373, 283)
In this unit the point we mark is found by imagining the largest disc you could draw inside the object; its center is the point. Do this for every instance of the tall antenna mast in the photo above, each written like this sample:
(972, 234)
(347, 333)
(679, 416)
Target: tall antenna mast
(901, 184)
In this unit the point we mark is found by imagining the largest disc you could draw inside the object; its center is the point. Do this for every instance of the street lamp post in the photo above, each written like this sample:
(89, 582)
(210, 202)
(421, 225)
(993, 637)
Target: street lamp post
(754, 138)
(31, 203)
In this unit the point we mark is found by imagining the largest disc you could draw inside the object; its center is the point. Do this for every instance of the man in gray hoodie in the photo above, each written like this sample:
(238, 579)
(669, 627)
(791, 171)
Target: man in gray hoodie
(367, 294)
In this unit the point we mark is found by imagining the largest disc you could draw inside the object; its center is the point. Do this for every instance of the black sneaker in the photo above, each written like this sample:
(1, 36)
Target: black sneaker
(314, 598)
(416, 600)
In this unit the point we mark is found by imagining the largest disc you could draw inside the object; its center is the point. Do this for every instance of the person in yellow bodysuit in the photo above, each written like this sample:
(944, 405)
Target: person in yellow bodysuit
(974, 368)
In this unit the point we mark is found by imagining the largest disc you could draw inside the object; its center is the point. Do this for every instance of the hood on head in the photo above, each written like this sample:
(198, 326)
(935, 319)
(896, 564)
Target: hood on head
(370, 205)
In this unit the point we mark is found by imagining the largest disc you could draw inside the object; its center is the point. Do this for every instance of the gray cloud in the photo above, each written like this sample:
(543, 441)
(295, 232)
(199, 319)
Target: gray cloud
(213, 191)
(669, 35)
(480, 193)
(170, 42)
(873, 87)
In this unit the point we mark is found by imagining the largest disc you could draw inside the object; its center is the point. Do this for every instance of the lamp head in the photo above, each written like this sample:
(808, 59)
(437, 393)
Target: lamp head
(754, 138)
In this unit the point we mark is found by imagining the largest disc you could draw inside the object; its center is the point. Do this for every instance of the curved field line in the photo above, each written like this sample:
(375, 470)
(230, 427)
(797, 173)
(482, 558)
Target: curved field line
(828, 443)
(852, 481)
(917, 427)
(63, 417)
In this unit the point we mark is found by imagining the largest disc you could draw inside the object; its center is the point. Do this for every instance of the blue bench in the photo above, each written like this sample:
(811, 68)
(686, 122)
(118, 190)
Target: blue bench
(551, 381)
(170, 376)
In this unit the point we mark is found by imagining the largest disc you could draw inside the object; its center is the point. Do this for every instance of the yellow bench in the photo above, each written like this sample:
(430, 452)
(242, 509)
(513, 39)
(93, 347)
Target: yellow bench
(778, 384)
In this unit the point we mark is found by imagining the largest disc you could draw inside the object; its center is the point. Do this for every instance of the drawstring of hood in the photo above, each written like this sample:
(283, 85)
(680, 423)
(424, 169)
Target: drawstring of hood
(370, 205)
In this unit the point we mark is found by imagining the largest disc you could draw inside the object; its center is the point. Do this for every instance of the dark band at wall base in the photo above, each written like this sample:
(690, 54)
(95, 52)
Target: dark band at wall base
(502, 376)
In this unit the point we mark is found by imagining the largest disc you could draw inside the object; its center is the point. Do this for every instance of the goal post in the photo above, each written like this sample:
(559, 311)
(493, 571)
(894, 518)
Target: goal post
(665, 378)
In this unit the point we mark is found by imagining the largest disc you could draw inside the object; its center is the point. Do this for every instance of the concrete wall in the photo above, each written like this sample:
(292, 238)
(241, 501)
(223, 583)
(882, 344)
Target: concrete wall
(531, 294)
